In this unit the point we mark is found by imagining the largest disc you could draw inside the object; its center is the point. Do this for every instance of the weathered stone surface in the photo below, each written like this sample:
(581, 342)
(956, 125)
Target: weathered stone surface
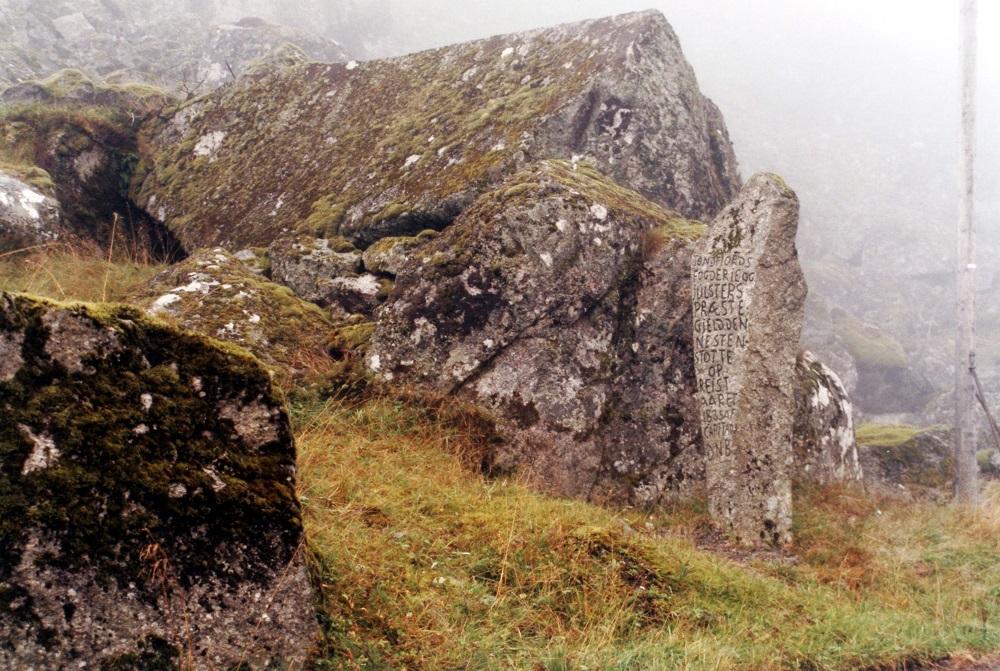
(141, 40)
(521, 305)
(81, 153)
(388, 255)
(27, 215)
(149, 481)
(748, 297)
(214, 294)
(335, 149)
(562, 304)
(307, 264)
(823, 433)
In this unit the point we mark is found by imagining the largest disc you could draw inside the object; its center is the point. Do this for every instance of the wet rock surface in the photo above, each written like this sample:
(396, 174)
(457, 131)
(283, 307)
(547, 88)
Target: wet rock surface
(392, 147)
(748, 301)
(148, 480)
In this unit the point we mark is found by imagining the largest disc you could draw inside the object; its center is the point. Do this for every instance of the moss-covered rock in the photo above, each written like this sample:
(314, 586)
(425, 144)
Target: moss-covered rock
(392, 147)
(147, 497)
(215, 294)
(907, 462)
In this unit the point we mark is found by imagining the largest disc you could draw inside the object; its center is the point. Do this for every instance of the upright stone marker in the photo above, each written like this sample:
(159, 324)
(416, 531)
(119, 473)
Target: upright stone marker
(748, 296)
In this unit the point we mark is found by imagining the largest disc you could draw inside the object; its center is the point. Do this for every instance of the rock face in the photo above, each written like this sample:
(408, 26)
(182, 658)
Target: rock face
(214, 294)
(749, 296)
(144, 41)
(390, 148)
(562, 303)
(823, 435)
(149, 481)
(75, 143)
(27, 215)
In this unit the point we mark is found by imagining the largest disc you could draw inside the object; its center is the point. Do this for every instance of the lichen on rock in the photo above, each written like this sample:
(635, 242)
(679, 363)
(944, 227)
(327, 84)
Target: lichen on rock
(215, 294)
(393, 147)
(148, 476)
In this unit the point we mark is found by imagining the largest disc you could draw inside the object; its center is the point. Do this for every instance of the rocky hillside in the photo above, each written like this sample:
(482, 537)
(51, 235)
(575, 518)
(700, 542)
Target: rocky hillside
(396, 146)
(163, 43)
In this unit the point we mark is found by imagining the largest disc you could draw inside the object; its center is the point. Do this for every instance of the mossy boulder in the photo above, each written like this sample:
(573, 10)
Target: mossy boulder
(213, 293)
(907, 462)
(147, 498)
(393, 147)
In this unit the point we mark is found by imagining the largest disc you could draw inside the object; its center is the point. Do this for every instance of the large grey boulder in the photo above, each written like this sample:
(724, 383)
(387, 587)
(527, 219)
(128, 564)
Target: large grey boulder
(389, 148)
(148, 516)
(561, 303)
(749, 297)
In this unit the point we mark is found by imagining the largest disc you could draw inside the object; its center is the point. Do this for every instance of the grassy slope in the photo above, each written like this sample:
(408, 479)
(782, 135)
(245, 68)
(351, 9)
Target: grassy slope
(426, 565)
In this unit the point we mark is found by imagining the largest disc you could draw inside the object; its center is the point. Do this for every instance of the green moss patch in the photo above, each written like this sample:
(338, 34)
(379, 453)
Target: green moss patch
(121, 432)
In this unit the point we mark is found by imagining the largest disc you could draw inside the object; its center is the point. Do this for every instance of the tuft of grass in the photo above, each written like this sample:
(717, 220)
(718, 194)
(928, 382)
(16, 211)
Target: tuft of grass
(426, 564)
(65, 273)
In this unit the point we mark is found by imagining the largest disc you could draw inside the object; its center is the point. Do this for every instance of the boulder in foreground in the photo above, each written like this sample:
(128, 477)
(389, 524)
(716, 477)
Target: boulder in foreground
(148, 514)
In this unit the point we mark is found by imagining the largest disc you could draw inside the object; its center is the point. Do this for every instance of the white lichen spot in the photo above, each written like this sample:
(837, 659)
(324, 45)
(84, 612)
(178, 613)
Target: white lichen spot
(470, 73)
(507, 53)
(488, 343)
(598, 242)
(141, 430)
(254, 319)
(561, 225)
(525, 79)
(375, 363)
(568, 65)
(351, 65)
(546, 259)
(499, 146)
(146, 401)
(217, 484)
(599, 211)
(209, 142)
(176, 490)
(410, 160)
(28, 199)
(43, 451)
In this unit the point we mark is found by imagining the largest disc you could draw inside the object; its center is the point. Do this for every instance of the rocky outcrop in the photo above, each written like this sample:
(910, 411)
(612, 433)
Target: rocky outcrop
(149, 516)
(748, 299)
(393, 147)
(823, 438)
(141, 41)
(75, 143)
(214, 294)
(561, 303)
